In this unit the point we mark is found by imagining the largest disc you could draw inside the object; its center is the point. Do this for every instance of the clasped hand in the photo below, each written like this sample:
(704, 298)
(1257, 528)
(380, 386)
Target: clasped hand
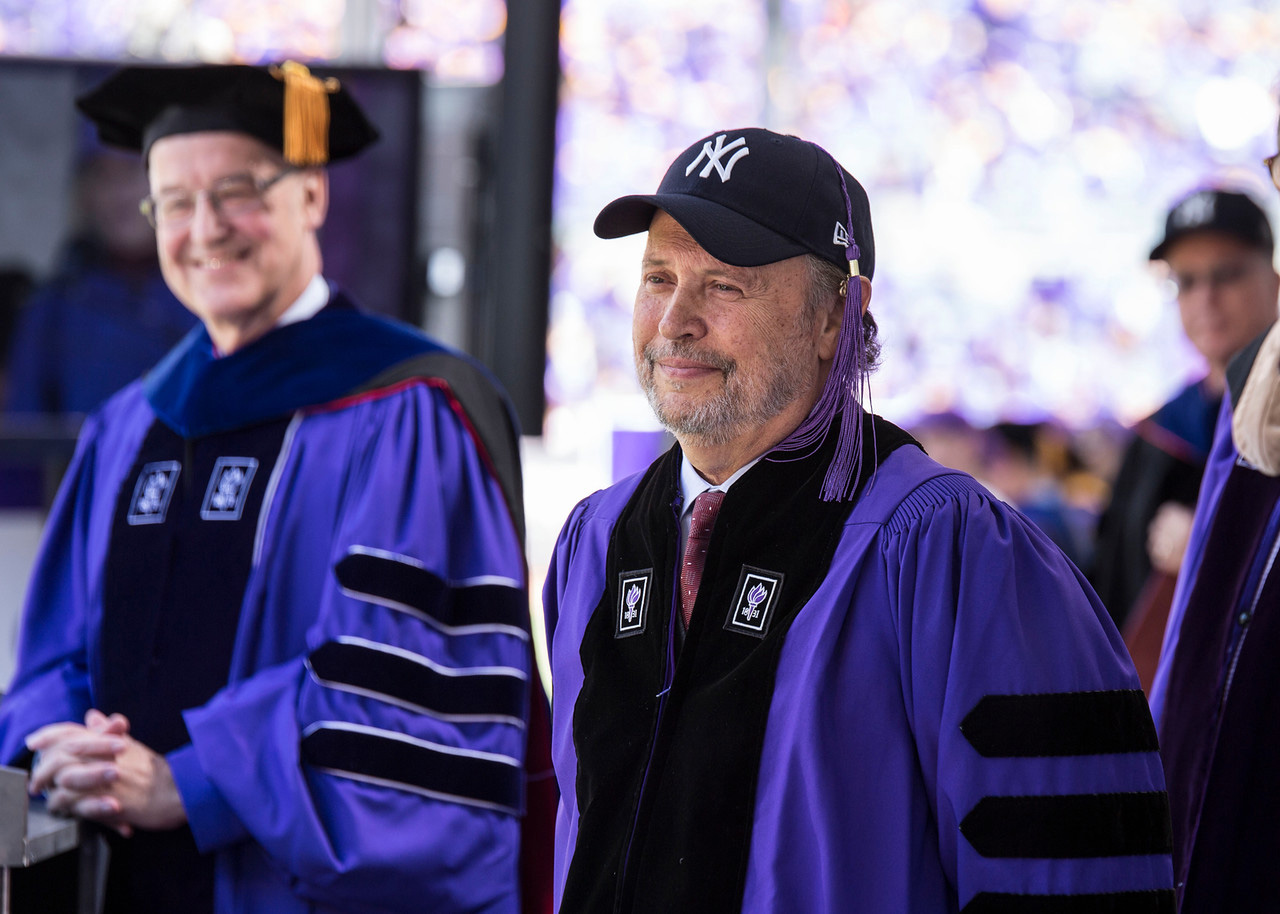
(99, 772)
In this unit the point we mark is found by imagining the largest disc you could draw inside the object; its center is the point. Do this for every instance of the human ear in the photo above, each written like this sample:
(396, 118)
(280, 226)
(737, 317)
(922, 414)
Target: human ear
(315, 187)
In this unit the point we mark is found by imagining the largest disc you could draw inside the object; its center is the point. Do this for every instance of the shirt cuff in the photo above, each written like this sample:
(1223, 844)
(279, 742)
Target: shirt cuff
(213, 822)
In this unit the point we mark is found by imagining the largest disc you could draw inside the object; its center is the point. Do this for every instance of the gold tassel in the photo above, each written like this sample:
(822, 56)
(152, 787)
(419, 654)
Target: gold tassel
(306, 114)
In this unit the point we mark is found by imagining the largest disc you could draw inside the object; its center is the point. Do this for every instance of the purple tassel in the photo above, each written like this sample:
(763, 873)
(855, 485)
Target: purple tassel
(848, 381)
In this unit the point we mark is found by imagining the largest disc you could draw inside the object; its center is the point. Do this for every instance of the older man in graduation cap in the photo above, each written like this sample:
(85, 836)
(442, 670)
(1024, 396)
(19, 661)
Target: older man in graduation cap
(868, 685)
(277, 637)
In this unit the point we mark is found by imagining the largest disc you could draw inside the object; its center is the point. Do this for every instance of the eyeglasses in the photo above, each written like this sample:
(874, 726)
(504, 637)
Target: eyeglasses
(232, 196)
(1217, 278)
(1272, 164)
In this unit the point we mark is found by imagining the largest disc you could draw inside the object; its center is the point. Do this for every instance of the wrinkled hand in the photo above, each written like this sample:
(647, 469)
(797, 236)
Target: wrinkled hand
(1167, 537)
(98, 771)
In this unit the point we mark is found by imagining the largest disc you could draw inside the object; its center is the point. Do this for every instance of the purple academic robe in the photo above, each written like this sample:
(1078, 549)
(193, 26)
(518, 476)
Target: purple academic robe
(365, 752)
(1216, 693)
(914, 704)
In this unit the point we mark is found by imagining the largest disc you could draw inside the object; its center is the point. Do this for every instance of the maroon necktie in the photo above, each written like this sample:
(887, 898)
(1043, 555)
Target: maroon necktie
(705, 507)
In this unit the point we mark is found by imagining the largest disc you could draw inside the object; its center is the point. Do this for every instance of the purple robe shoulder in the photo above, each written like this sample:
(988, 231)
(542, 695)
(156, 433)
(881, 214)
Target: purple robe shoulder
(367, 751)
(953, 721)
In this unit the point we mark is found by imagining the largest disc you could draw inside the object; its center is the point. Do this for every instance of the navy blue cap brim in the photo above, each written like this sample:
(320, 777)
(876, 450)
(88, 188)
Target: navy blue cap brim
(725, 234)
(1161, 250)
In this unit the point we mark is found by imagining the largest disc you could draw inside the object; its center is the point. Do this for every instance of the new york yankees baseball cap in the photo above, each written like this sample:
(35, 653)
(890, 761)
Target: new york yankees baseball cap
(751, 197)
(1223, 211)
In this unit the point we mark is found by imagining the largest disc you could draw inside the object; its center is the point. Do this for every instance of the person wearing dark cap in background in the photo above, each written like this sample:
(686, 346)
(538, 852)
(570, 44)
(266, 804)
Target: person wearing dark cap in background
(1218, 246)
(799, 666)
(1216, 693)
(283, 584)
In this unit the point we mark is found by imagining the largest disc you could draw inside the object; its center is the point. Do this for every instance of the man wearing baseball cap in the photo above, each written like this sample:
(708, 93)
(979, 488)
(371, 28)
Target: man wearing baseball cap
(277, 638)
(798, 666)
(1218, 248)
(1217, 687)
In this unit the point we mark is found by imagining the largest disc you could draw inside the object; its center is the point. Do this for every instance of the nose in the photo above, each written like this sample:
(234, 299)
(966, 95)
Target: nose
(207, 222)
(1200, 295)
(683, 316)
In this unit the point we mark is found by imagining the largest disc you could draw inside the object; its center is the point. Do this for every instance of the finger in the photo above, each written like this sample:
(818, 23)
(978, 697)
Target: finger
(51, 762)
(95, 807)
(93, 778)
(38, 740)
(86, 745)
(74, 803)
(98, 722)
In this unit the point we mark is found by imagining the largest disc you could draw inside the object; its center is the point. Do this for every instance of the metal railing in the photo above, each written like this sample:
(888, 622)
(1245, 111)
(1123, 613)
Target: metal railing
(29, 834)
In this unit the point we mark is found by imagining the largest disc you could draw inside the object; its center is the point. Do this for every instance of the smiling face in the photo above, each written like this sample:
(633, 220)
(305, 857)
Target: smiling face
(731, 358)
(237, 273)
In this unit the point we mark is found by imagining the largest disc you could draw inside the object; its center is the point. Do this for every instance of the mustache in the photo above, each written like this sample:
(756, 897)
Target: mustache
(675, 349)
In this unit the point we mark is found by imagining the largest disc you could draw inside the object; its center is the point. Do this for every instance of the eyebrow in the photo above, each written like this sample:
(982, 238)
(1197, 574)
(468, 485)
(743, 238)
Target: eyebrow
(235, 175)
(727, 271)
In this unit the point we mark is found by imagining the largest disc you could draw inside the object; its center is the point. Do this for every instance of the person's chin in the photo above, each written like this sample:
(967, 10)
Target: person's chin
(223, 304)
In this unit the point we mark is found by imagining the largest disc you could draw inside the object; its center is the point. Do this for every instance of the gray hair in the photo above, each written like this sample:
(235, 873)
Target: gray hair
(824, 279)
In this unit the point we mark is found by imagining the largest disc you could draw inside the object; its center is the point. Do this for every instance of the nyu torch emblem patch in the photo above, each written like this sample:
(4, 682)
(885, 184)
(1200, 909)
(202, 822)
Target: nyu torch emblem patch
(633, 602)
(228, 488)
(754, 601)
(152, 492)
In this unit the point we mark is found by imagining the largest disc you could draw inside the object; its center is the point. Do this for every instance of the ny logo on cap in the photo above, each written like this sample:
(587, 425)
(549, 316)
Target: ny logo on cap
(714, 155)
(1196, 210)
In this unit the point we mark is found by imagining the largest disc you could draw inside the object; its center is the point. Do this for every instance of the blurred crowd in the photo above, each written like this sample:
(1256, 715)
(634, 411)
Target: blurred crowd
(1018, 153)
(1059, 478)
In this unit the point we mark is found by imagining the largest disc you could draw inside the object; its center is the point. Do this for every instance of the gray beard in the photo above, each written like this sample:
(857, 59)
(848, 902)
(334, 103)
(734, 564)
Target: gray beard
(735, 408)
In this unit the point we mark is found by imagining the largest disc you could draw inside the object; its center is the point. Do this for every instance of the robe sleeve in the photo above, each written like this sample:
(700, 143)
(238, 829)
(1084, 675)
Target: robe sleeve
(51, 683)
(383, 768)
(1034, 740)
(564, 635)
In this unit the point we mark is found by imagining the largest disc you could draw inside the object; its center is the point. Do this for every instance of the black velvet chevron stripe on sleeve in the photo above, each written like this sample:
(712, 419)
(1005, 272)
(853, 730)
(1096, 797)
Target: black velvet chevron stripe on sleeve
(404, 680)
(1073, 825)
(1154, 902)
(478, 779)
(384, 579)
(1060, 724)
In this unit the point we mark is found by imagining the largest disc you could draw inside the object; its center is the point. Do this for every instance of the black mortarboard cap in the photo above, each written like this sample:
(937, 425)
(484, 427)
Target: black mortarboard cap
(310, 121)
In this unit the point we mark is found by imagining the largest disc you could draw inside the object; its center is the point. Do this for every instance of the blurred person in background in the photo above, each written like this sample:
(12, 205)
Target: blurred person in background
(1216, 696)
(1218, 247)
(277, 639)
(106, 315)
(1026, 464)
(798, 665)
(951, 440)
